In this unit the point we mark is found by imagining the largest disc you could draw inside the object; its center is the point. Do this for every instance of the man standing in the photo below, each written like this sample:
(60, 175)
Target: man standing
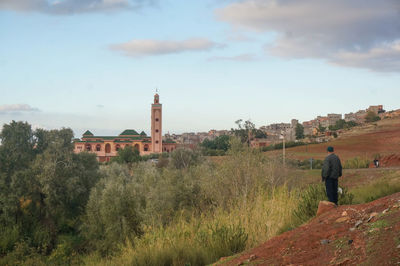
(331, 171)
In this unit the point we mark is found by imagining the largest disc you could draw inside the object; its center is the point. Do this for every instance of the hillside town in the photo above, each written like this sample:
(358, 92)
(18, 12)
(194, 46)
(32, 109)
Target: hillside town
(277, 131)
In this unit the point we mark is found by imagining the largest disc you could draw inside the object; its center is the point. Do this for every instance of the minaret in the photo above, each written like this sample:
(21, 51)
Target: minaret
(156, 125)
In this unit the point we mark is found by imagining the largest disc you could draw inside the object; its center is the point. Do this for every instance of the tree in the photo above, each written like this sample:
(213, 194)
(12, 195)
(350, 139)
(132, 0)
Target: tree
(321, 128)
(44, 186)
(128, 155)
(182, 158)
(112, 213)
(245, 131)
(16, 151)
(371, 117)
(219, 143)
(259, 134)
(299, 131)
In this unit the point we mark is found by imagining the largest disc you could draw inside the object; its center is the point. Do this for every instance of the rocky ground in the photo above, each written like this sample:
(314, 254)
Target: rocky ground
(367, 234)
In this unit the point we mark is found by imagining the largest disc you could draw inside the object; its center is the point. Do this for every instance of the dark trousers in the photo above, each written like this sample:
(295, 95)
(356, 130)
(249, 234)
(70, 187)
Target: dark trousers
(331, 185)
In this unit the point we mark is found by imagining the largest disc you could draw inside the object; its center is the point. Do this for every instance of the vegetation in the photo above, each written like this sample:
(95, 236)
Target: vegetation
(375, 191)
(288, 144)
(247, 131)
(356, 163)
(58, 208)
(342, 124)
(218, 146)
(371, 117)
(44, 188)
(299, 131)
(306, 164)
(127, 155)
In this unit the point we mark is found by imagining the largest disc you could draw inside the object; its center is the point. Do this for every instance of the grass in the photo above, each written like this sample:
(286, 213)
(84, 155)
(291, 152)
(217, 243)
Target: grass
(375, 190)
(379, 224)
(203, 240)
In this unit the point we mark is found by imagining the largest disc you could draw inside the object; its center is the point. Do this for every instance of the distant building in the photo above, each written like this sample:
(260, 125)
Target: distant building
(106, 147)
(359, 117)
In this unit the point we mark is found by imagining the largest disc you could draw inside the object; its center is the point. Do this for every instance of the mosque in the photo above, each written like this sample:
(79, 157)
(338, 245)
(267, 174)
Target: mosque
(106, 147)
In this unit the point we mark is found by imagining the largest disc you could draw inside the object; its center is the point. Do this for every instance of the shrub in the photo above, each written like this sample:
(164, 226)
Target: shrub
(112, 212)
(374, 191)
(306, 164)
(8, 237)
(356, 163)
(223, 240)
(184, 158)
(310, 198)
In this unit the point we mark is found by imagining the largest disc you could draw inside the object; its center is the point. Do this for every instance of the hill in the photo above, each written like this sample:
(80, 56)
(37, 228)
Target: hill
(347, 235)
(366, 141)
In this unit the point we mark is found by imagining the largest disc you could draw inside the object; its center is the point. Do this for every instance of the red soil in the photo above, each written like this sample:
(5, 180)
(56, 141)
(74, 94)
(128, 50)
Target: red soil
(327, 239)
(364, 142)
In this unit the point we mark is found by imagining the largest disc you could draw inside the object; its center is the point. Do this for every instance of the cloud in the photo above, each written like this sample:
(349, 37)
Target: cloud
(139, 48)
(240, 58)
(385, 58)
(331, 30)
(17, 108)
(69, 7)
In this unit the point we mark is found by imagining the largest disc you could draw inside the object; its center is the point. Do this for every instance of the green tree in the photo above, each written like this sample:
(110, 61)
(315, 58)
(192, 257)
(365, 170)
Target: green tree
(219, 143)
(44, 186)
(321, 128)
(182, 158)
(128, 155)
(246, 130)
(113, 211)
(371, 117)
(299, 131)
(259, 134)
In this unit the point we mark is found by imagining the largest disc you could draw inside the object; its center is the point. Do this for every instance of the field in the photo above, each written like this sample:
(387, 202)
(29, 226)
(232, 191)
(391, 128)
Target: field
(367, 141)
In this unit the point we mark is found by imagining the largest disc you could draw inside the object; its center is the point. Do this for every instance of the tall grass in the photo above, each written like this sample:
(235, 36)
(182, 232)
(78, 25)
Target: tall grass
(356, 163)
(205, 239)
(375, 191)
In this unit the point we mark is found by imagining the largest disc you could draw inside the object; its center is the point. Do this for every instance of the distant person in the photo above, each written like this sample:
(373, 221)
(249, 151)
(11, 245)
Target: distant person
(331, 171)
(376, 163)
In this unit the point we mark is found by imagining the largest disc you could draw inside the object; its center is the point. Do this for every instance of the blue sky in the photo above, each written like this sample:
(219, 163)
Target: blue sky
(95, 64)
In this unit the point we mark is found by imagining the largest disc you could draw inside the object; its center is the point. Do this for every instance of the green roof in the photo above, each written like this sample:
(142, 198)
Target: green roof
(129, 132)
(88, 133)
(143, 133)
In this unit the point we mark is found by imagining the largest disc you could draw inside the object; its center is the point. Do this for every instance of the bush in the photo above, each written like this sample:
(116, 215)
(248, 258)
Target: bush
(356, 163)
(184, 158)
(305, 164)
(310, 198)
(374, 191)
(8, 237)
(112, 212)
(223, 240)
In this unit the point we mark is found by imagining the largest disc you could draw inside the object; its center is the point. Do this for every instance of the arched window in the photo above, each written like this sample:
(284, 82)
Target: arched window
(156, 141)
(157, 130)
(98, 147)
(157, 119)
(146, 147)
(108, 148)
(117, 147)
(88, 147)
(136, 147)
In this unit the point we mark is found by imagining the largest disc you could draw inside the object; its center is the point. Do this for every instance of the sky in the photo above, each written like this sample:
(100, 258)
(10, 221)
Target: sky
(96, 64)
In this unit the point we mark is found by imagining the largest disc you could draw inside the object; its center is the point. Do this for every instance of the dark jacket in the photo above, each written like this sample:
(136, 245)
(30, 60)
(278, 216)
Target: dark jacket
(332, 167)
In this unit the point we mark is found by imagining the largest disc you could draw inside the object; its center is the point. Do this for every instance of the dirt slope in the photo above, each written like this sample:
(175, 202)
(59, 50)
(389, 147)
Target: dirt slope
(382, 138)
(334, 239)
